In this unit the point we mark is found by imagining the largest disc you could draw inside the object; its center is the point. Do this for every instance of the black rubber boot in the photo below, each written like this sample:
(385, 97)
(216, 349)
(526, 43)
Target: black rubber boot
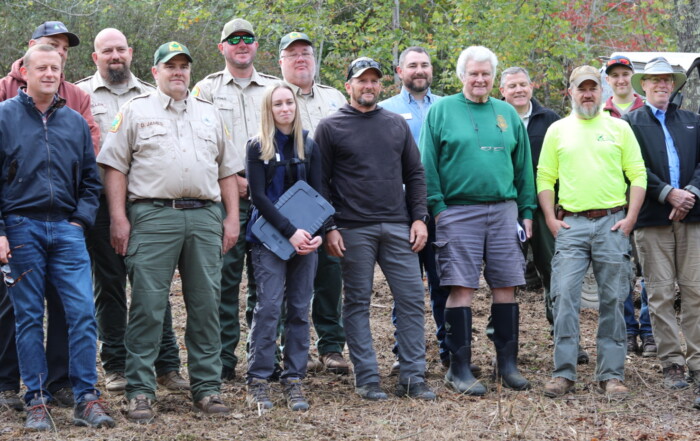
(505, 338)
(459, 377)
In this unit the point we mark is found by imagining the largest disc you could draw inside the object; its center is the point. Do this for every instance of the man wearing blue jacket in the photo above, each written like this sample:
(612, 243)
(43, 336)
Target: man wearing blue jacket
(48, 195)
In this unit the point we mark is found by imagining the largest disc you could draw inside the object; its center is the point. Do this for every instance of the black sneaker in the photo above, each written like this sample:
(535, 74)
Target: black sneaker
(418, 391)
(10, 399)
(648, 346)
(294, 395)
(632, 346)
(582, 357)
(63, 397)
(38, 415)
(371, 391)
(92, 411)
(259, 393)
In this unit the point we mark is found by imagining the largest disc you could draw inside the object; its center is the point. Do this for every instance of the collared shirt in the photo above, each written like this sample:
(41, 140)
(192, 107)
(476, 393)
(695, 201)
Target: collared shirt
(674, 163)
(413, 111)
(170, 149)
(526, 117)
(105, 99)
(321, 102)
(240, 106)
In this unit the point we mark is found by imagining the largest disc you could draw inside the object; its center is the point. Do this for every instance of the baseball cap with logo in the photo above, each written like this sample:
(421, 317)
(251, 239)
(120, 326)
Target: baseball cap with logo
(166, 51)
(236, 25)
(583, 73)
(292, 37)
(50, 28)
(360, 65)
(618, 60)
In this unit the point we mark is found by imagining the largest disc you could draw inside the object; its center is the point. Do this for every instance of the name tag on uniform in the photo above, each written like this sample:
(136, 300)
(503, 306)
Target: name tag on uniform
(407, 116)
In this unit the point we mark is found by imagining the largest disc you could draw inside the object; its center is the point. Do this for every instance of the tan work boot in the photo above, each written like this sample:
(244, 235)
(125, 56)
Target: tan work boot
(173, 381)
(614, 389)
(140, 410)
(115, 381)
(334, 362)
(558, 386)
(211, 405)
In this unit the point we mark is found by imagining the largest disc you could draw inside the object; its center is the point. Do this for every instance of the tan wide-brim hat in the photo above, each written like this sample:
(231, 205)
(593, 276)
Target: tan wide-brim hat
(658, 66)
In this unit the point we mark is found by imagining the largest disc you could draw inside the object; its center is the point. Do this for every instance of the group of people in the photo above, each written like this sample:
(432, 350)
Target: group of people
(418, 182)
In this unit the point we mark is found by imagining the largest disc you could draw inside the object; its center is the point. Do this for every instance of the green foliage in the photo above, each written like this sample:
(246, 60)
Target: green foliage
(548, 37)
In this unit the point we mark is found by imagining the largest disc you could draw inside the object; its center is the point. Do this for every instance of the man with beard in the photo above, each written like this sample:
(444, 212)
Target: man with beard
(479, 174)
(416, 73)
(111, 86)
(316, 101)
(55, 34)
(376, 222)
(590, 155)
(237, 92)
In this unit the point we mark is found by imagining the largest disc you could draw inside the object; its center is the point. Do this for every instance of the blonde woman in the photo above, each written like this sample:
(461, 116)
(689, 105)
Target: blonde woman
(278, 157)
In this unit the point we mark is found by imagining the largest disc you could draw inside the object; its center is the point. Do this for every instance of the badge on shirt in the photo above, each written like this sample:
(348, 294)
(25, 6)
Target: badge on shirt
(501, 121)
(116, 123)
(407, 116)
(207, 120)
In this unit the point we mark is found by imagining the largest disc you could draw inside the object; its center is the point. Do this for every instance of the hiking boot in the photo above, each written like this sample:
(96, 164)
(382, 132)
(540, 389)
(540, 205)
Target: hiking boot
(313, 364)
(291, 387)
(140, 410)
(674, 377)
(173, 381)
(459, 377)
(371, 391)
(115, 381)
(558, 386)
(227, 373)
(63, 397)
(648, 346)
(211, 405)
(632, 347)
(10, 399)
(38, 415)
(614, 389)
(92, 411)
(335, 363)
(582, 357)
(395, 369)
(259, 393)
(418, 391)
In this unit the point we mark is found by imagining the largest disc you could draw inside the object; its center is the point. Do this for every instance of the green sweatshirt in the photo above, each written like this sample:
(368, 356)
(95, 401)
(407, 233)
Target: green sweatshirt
(475, 153)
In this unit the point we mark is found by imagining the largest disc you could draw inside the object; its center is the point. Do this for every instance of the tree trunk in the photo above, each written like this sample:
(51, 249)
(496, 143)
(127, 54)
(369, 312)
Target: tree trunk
(687, 17)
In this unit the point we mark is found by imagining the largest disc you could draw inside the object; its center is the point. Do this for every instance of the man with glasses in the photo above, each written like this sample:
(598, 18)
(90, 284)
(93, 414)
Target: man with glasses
(111, 86)
(592, 227)
(168, 160)
(376, 221)
(237, 92)
(316, 101)
(667, 232)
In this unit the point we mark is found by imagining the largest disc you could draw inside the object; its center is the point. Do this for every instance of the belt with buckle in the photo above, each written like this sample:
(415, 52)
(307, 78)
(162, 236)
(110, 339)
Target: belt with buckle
(178, 204)
(595, 214)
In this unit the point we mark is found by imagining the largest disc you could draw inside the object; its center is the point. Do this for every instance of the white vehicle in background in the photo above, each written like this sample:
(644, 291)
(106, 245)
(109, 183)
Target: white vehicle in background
(687, 97)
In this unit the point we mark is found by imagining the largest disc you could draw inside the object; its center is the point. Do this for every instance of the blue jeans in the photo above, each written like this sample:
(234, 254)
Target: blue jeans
(55, 251)
(643, 327)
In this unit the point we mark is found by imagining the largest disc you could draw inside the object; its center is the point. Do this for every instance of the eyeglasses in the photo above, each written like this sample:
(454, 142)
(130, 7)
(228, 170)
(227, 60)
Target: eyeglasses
(658, 80)
(624, 61)
(302, 55)
(9, 280)
(235, 39)
(361, 64)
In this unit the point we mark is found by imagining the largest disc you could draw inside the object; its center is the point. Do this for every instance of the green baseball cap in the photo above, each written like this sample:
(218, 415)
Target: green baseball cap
(292, 37)
(166, 51)
(236, 25)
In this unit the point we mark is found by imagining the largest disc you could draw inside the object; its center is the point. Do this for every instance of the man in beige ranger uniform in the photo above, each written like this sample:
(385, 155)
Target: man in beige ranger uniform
(171, 155)
(109, 88)
(315, 102)
(237, 92)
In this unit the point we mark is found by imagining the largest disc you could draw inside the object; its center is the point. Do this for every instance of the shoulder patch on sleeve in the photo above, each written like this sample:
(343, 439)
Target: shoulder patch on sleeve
(116, 123)
(196, 91)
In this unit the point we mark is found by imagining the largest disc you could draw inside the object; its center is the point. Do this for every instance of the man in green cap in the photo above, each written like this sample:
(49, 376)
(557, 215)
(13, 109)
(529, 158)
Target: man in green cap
(168, 161)
(237, 92)
(316, 101)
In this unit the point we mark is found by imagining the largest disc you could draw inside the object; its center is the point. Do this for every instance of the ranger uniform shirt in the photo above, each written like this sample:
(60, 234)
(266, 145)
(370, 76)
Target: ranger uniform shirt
(170, 154)
(105, 99)
(239, 106)
(320, 103)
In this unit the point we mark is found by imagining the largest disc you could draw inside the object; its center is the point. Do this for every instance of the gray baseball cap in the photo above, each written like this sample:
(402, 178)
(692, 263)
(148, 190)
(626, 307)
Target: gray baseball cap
(50, 28)
(236, 25)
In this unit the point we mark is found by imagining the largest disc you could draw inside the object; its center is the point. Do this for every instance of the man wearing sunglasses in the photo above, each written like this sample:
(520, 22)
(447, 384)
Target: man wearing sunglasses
(316, 101)
(237, 92)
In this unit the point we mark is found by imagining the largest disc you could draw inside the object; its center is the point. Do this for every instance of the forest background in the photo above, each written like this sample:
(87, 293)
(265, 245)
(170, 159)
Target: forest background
(548, 37)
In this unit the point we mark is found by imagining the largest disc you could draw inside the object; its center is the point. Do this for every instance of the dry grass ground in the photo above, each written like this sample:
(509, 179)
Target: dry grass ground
(650, 413)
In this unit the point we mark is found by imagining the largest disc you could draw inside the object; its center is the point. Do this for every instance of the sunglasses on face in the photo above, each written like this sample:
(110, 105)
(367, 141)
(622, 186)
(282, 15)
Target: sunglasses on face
(235, 39)
(363, 64)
